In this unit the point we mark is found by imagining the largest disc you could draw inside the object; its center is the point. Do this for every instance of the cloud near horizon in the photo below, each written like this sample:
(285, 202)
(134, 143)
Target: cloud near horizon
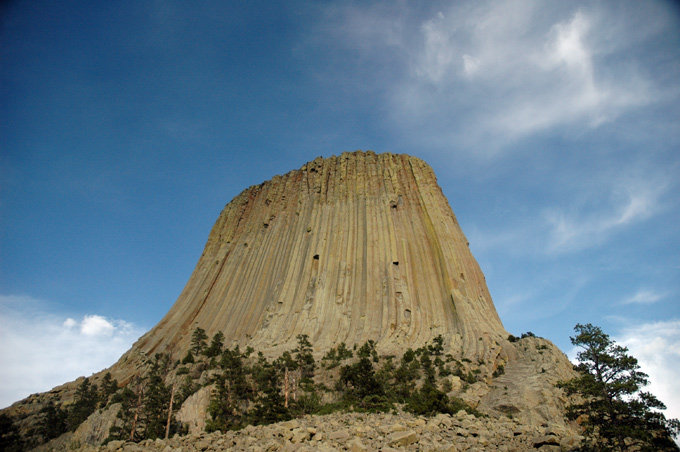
(41, 350)
(656, 346)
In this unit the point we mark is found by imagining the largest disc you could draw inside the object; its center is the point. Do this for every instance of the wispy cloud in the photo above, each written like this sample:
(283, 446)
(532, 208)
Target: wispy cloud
(630, 202)
(41, 350)
(493, 72)
(644, 296)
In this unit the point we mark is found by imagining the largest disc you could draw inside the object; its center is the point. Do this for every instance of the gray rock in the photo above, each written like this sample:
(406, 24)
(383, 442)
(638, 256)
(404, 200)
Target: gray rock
(339, 436)
(400, 438)
(113, 445)
(201, 445)
(546, 440)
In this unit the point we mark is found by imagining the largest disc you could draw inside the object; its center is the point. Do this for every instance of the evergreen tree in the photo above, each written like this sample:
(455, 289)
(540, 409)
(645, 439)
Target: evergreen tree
(305, 358)
(616, 415)
(437, 346)
(86, 401)
(270, 403)
(344, 352)
(227, 407)
(53, 422)
(198, 339)
(429, 399)
(130, 425)
(186, 389)
(156, 399)
(360, 383)
(406, 375)
(109, 386)
(188, 358)
(10, 437)
(216, 344)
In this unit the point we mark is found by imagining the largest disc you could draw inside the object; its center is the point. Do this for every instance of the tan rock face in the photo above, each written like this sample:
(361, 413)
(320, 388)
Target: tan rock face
(194, 410)
(349, 248)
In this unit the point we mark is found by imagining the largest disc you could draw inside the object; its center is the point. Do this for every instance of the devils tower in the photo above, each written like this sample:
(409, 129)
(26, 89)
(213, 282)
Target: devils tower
(348, 249)
(345, 249)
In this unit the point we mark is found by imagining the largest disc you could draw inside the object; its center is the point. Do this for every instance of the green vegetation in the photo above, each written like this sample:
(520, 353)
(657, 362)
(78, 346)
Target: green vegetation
(198, 339)
(616, 414)
(216, 344)
(86, 401)
(147, 405)
(57, 420)
(10, 438)
(512, 338)
(249, 388)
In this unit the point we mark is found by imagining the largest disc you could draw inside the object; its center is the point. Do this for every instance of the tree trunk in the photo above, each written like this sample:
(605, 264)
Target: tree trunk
(138, 407)
(285, 387)
(172, 400)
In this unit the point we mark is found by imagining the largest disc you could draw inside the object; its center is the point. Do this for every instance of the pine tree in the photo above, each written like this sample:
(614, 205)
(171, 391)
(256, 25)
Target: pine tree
(305, 358)
(429, 399)
(156, 398)
(406, 375)
(186, 389)
(227, 406)
(198, 339)
(615, 412)
(10, 437)
(188, 358)
(360, 383)
(109, 387)
(86, 401)
(130, 415)
(53, 422)
(216, 344)
(270, 403)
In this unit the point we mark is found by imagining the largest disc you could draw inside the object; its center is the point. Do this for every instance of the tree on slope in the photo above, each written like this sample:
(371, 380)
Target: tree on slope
(10, 436)
(131, 419)
(198, 341)
(616, 414)
(270, 403)
(157, 397)
(86, 401)
(228, 404)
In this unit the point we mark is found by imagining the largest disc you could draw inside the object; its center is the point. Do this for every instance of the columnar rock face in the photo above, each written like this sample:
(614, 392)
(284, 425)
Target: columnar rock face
(346, 249)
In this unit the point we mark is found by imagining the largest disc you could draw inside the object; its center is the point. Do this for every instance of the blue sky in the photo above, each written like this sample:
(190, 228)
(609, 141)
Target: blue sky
(553, 128)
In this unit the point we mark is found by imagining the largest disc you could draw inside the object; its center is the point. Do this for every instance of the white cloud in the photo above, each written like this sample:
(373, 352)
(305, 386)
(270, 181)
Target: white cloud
(96, 325)
(438, 54)
(657, 347)
(470, 65)
(567, 46)
(41, 350)
(643, 296)
(493, 72)
(635, 202)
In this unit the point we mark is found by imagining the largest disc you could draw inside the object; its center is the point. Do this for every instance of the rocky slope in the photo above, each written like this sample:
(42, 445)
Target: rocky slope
(367, 432)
